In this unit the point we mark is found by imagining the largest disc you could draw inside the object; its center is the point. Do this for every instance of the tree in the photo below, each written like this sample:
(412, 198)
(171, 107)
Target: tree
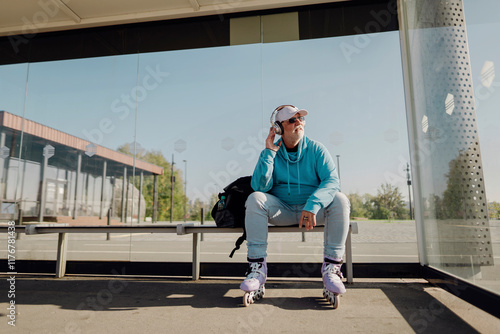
(436, 207)
(164, 184)
(195, 208)
(388, 204)
(360, 205)
(453, 205)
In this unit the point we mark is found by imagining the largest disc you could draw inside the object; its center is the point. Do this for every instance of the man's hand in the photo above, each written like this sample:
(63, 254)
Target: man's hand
(309, 220)
(270, 140)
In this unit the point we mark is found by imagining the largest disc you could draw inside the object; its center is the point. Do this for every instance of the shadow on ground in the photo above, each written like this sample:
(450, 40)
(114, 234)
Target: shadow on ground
(421, 311)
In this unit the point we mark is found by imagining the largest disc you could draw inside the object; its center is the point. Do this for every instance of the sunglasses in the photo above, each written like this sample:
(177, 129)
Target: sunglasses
(294, 119)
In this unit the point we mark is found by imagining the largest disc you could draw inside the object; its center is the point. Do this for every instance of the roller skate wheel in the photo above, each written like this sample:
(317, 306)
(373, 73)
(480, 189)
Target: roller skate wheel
(259, 294)
(247, 299)
(261, 291)
(335, 301)
(331, 298)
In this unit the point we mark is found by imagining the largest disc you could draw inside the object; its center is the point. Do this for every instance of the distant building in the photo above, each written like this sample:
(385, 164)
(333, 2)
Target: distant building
(49, 175)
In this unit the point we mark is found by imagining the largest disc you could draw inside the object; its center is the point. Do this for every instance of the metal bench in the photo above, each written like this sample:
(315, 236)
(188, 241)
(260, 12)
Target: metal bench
(181, 229)
(196, 230)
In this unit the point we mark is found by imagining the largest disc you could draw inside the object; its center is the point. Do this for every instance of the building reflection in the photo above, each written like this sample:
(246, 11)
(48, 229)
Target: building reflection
(48, 175)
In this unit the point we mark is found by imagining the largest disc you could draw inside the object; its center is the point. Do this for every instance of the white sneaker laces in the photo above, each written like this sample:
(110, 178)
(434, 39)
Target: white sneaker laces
(331, 270)
(254, 270)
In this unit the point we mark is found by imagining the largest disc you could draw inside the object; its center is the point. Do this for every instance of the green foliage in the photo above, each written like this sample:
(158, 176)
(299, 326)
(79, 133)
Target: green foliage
(360, 205)
(436, 206)
(388, 204)
(494, 210)
(164, 185)
(195, 209)
(452, 206)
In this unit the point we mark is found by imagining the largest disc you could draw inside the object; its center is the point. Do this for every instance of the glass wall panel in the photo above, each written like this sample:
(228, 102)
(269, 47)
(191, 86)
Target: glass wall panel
(203, 115)
(78, 113)
(202, 110)
(12, 97)
(13, 87)
(451, 79)
(352, 87)
(210, 114)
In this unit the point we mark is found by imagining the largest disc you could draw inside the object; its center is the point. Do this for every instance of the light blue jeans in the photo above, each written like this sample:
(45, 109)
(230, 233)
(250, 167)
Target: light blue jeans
(263, 208)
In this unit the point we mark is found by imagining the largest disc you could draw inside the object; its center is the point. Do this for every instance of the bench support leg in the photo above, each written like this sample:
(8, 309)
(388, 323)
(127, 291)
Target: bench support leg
(61, 255)
(348, 256)
(196, 256)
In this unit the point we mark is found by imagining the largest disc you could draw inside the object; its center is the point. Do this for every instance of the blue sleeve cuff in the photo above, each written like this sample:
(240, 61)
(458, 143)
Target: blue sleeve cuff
(313, 208)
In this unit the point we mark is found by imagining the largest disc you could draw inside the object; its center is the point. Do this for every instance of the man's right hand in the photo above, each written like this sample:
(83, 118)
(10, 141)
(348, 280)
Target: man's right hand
(270, 140)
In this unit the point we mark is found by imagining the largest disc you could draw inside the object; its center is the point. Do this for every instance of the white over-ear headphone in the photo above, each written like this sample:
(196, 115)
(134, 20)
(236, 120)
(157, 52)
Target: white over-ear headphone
(278, 127)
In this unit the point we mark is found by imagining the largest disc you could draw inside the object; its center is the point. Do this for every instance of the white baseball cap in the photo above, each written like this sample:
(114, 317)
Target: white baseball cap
(287, 112)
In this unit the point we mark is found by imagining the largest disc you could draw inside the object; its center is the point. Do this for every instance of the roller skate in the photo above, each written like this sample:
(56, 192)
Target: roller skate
(253, 285)
(332, 281)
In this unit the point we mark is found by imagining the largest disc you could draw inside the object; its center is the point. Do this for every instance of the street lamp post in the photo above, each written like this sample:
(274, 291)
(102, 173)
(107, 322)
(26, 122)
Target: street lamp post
(185, 189)
(172, 180)
(408, 181)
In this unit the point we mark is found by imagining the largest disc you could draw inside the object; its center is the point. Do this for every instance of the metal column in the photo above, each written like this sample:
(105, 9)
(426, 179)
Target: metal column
(42, 191)
(112, 204)
(78, 171)
(104, 167)
(127, 195)
(196, 257)
(123, 194)
(62, 250)
(43, 188)
(155, 198)
(140, 194)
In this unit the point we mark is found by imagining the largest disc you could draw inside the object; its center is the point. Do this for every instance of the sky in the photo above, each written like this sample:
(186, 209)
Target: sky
(210, 107)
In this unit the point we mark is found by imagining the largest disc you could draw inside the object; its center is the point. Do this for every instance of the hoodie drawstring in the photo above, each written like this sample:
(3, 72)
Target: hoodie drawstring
(298, 174)
(288, 172)
(287, 158)
(288, 176)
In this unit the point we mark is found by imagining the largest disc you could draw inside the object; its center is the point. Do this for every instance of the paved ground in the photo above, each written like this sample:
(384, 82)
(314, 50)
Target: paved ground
(379, 242)
(161, 305)
(148, 305)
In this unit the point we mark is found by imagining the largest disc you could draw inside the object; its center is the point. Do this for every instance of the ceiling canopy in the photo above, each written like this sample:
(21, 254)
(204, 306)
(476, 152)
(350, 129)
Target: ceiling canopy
(35, 16)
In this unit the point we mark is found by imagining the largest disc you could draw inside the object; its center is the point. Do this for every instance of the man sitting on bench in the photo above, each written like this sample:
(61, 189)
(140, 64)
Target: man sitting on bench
(295, 182)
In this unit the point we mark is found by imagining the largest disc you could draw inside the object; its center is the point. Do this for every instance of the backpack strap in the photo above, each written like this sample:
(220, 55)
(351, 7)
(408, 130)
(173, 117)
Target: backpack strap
(238, 242)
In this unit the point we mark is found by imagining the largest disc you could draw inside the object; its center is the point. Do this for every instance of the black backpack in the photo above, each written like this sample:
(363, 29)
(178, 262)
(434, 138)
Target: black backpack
(229, 211)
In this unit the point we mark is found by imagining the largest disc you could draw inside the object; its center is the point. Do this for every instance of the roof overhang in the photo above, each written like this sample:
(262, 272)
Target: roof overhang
(49, 134)
(37, 16)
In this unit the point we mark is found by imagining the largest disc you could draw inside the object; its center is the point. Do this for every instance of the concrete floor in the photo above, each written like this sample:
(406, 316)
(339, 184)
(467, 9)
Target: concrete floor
(170, 305)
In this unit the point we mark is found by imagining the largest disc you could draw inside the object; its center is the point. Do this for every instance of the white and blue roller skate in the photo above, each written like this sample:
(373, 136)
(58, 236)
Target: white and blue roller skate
(332, 281)
(253, 285)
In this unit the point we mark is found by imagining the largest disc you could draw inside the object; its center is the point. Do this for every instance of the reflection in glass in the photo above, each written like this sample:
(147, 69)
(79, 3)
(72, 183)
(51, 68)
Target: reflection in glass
(456, 228)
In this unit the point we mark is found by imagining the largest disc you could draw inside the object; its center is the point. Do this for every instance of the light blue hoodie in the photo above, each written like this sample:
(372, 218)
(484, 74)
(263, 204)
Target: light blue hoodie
(308, 176)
